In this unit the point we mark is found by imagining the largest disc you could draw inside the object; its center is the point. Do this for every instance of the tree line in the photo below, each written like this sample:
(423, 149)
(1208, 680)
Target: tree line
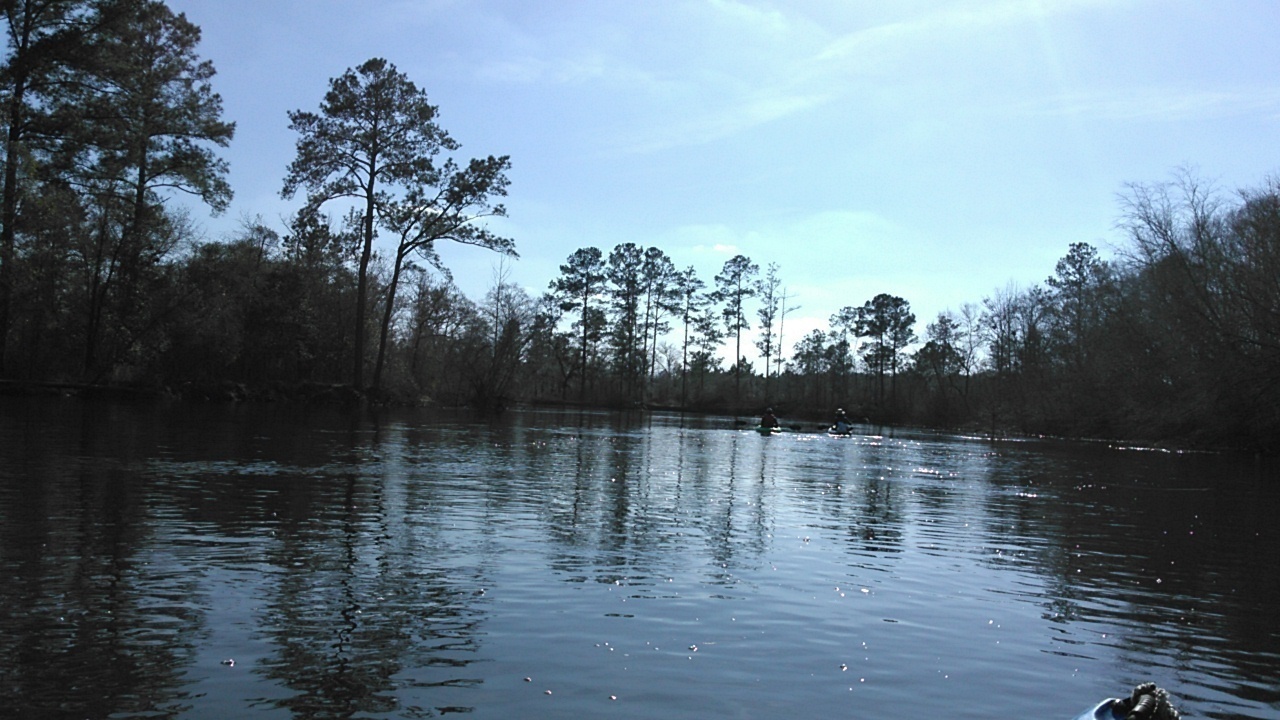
(109, 112)
(1175, 340)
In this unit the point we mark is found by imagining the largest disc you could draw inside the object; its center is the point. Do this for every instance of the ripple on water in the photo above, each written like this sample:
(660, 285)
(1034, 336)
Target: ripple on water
(419, 568)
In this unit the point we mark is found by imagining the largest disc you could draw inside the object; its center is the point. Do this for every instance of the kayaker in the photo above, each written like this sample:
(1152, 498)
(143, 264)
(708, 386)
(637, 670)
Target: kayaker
(768, 420)
(841, 424)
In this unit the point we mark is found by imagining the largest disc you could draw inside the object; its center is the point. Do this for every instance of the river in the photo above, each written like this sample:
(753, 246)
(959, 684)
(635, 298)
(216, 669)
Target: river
(178, 561)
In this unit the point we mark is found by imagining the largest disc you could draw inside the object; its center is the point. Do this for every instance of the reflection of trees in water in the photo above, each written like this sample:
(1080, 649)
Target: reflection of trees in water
(721, 497)
(1160, 553)
(863, 498)
(719, 523)
(97, 619)
(373, 602)
(370, 596)
(605, 509)
(365, 599)
(877, 527)
(570, 479)
(635, 505)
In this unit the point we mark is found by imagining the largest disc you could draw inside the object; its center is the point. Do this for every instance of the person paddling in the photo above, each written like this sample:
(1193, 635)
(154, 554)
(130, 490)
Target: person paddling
(768, 420)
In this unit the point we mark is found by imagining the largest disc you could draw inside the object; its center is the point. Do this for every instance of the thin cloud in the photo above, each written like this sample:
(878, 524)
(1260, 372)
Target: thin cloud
(800, 79)
(738, 116)
(1167, 104)
(580, 69)
(887, 42)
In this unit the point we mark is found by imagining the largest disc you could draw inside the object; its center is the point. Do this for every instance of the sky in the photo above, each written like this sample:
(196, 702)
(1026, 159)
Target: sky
(937, 150)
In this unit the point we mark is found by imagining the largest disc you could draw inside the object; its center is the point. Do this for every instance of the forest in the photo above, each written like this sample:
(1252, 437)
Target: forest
(109, 111)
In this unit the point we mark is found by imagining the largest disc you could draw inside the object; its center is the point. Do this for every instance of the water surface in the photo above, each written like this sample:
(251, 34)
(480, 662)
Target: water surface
(410, 565)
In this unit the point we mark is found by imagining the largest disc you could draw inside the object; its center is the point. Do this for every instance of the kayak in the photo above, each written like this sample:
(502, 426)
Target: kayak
(763, 430)
(1105, 710)
(835, 432)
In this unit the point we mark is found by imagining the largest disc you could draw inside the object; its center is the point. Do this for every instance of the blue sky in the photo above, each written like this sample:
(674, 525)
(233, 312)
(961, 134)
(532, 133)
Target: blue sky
(936, 150)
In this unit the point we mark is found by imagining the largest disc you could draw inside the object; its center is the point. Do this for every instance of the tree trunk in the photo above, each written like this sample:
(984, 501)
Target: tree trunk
(362, 291)
(386, 319)
(9, 213)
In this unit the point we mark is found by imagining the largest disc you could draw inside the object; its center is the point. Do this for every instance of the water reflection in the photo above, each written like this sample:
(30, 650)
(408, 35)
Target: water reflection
(413, 566)
(92, 615)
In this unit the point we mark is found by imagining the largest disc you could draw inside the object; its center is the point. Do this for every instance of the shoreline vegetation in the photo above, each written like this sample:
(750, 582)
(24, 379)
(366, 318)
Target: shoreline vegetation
(106, 289)
(345, 398)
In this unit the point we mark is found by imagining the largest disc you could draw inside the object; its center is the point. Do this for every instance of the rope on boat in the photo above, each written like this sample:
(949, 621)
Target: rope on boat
(1147, 702)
